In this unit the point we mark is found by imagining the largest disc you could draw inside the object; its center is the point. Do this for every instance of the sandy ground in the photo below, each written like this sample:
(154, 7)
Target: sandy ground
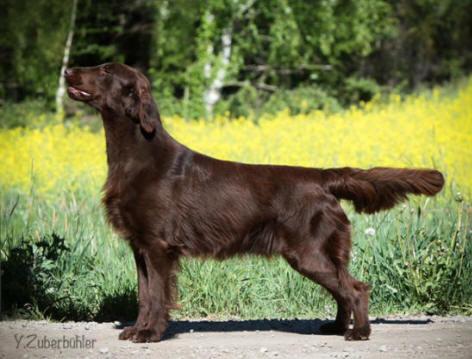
(392, 337)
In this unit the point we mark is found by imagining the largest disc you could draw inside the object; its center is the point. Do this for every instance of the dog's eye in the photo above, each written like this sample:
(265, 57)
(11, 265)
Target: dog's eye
(130, 92)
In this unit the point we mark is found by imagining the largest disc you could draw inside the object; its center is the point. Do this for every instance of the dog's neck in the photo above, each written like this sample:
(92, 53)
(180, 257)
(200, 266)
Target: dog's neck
(126, 142)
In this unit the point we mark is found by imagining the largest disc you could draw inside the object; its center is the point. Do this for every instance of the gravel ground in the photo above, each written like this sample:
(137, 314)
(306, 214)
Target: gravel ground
(392, 337)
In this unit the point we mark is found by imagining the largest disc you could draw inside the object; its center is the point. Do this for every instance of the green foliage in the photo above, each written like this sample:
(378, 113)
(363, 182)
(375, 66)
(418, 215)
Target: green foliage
(30, 113)
(33, 35)
(115, 30)
(45, 275)
(359, 89)
(248, 102)
(429, 44)
(421, 265)
(349, 49)
(301, 100)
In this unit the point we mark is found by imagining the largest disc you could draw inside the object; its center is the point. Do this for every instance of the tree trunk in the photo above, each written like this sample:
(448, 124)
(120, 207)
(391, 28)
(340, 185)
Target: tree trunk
(65, 60)
(213, 93)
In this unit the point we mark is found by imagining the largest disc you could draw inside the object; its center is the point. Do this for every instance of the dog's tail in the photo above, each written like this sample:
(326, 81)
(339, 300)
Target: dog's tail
(380, 188)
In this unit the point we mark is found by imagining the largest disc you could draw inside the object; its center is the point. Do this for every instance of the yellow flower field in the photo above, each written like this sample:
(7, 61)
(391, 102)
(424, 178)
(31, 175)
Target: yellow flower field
(424, 130)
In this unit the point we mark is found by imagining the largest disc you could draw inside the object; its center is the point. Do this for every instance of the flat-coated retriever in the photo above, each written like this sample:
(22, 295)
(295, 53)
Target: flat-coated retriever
(168, 201)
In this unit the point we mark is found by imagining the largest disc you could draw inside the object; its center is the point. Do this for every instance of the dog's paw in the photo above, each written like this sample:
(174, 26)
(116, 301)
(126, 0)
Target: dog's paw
(357, 334)
(333, 328)
(127, 333)
(146, 336)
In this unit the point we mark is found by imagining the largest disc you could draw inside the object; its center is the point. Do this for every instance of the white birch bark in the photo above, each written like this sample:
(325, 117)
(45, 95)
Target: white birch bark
(213, 93)
(65, 60)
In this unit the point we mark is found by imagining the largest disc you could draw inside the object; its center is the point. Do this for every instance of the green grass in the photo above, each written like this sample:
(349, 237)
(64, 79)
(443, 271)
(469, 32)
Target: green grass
(62, 261)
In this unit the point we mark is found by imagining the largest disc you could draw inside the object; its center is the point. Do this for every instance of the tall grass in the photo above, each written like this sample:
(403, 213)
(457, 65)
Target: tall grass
(418, 260)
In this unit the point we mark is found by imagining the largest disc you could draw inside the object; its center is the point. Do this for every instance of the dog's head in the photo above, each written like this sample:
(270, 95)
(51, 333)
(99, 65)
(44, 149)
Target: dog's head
(117, 89)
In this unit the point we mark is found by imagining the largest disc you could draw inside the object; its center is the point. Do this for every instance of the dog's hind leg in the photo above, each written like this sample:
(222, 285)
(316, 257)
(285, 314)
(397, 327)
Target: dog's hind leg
(351, 295)
(323, 257)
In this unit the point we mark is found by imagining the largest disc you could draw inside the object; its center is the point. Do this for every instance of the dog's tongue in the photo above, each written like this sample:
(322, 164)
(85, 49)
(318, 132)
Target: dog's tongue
(79, 92)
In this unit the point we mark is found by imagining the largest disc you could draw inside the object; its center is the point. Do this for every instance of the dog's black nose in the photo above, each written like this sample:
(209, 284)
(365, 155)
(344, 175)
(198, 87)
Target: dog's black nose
(68, 73)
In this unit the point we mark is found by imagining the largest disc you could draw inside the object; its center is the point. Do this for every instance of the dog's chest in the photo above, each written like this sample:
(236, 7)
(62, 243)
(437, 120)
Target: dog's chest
(112, 200)
(131, 204)
(120, 201)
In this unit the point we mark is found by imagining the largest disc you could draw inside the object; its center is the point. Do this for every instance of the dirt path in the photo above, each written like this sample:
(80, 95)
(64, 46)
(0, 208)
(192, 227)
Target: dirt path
(396, 337)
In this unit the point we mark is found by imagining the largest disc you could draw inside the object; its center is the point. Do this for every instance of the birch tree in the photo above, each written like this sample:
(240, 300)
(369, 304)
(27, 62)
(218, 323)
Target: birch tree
(221, 60)
(65, 61)
(213, 92)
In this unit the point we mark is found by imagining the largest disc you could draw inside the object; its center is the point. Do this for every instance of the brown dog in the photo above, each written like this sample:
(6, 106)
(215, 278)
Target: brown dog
(169, 201)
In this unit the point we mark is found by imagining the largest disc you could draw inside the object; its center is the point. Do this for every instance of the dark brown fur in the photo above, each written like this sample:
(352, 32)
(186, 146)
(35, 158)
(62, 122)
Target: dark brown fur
(169, 201)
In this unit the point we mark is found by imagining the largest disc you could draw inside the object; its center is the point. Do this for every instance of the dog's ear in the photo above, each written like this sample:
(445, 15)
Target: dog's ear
(148, 114)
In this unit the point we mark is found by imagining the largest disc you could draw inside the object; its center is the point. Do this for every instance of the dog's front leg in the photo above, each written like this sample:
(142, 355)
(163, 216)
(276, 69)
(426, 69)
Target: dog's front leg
(159, 265)
(143, 296)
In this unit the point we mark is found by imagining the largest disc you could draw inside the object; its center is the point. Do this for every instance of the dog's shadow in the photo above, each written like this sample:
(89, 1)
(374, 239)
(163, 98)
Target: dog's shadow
(297, 326)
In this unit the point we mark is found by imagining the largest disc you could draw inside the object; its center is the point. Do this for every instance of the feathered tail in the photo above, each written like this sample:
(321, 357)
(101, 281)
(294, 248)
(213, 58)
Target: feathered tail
(380, 188)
